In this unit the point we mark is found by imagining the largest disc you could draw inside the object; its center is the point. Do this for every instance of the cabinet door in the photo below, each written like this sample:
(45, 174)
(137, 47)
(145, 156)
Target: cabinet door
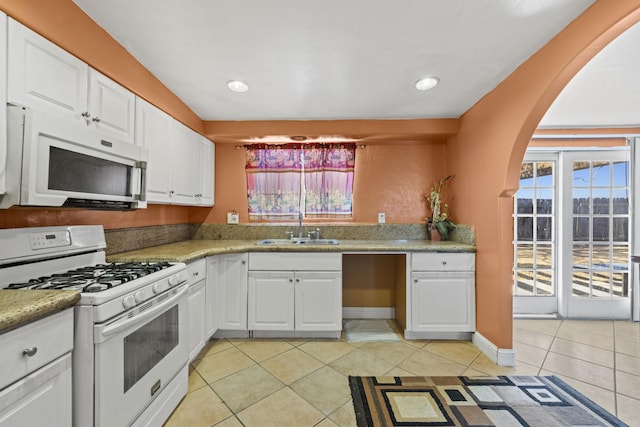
(318, 301)
(211, 311)
(112, 108)
(183, 162)
(232, 292)
(42, 398)
(41, 75)
(196, 300)
(443, 302)
(206, 176)
(153, 132)
(271, 301)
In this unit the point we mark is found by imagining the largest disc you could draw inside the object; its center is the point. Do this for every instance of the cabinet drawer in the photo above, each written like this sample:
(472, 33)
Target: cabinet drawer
(295, 261)
(51, 336)
(197, 270)
(439, 261)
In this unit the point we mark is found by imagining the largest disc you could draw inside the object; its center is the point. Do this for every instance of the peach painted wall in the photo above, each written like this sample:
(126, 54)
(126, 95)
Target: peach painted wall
(487, 152)
(389, 178)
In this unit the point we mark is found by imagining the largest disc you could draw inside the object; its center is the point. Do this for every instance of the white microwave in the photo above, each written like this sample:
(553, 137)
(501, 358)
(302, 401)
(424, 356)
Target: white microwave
(52, 162)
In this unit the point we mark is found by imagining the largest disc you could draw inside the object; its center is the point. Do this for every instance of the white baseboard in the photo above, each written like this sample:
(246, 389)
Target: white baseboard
(368, 313)
(499, 356)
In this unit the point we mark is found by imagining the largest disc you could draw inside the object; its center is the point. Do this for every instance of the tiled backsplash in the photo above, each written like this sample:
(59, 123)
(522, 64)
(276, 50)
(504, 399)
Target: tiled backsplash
(128, 239)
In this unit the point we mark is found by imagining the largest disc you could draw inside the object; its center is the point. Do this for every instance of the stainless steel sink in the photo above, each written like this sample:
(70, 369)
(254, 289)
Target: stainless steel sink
(301, 241)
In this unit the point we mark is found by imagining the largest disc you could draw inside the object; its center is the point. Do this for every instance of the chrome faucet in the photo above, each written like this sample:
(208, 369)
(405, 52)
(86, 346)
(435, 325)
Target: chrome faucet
(300, 225)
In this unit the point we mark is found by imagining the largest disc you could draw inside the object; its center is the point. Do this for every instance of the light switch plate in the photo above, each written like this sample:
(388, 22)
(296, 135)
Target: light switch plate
(381, 218)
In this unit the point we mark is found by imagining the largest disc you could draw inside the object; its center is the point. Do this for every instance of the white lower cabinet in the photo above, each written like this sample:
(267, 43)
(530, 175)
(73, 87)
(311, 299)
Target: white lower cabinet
(196, 298)
(442, 295)
(231, 292)
(295, 292)
(35, 376)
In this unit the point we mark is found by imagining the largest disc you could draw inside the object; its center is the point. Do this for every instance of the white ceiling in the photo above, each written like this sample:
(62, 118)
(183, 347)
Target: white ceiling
(359, 59)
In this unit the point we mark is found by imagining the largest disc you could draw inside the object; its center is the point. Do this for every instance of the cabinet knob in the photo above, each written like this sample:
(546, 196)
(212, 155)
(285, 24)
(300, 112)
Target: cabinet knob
(96, 119)
(291, 280)
(444, 262)
(297, 280)
(30, 352)
(86, 115)
(244, 262)
(415, 280)
(195, 273)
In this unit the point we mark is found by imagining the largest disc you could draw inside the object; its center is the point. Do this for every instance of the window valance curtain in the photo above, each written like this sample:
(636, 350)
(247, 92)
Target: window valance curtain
(315, 179)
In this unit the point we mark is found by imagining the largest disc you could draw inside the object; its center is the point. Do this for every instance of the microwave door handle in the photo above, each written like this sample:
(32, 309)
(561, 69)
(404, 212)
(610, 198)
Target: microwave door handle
(142, 165)
(126, 322)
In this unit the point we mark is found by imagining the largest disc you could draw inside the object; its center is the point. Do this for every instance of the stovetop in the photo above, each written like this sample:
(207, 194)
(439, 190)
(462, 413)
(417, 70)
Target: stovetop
(95, 278)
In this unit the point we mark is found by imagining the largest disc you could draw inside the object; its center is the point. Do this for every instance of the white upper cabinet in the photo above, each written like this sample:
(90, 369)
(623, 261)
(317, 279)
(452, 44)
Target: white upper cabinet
(184, 165)
(44, 76)
(205, 175)
(153, 132)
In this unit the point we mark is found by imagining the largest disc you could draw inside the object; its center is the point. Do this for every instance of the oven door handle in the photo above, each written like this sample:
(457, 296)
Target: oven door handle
(126, 322)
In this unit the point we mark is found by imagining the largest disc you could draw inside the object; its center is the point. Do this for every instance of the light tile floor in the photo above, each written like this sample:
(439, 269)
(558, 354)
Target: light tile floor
(278, 382)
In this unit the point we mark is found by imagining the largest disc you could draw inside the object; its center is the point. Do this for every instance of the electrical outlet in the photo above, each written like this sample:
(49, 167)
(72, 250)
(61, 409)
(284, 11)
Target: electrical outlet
(381, 218)
(232, 217)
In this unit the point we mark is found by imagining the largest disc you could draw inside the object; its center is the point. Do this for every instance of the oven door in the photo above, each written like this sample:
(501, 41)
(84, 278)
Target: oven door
(67, 164)
(137, 355)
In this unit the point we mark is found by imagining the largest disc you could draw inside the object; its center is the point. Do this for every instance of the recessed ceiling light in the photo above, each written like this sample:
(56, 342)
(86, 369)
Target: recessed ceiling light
(237, 86)
(427, 83)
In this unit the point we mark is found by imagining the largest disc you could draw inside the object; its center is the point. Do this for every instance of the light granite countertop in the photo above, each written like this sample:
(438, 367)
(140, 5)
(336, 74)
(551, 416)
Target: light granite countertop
(191, 250)
(18, 307)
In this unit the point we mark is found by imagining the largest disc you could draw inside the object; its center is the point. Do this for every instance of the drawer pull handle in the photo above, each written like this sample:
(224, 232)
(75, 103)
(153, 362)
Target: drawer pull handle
(30, 352)
(444, 262)
(195, 274)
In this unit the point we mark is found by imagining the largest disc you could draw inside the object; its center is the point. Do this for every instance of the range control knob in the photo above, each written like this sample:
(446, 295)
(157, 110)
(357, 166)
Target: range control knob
(139, 296)
(128, 301)
(157, 287)
(174, 280)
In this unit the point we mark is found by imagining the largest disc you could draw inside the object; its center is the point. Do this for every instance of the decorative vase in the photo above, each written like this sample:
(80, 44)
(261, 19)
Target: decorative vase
(434, 234)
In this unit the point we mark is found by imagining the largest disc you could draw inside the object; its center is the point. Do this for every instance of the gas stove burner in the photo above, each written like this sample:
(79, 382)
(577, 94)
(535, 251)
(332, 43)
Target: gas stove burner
(94, 278)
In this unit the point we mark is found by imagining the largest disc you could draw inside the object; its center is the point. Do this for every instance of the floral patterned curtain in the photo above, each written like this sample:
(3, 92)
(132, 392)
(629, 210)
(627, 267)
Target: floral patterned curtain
(278, 176)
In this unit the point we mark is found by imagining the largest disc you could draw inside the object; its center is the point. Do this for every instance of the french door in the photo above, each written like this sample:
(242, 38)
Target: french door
(571, 228)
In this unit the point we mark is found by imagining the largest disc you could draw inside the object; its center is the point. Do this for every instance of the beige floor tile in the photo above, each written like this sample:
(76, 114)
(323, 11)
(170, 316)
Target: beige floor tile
(229, 422)
(601, 396)
(629, 364)
(485, 365)
(244, 388)
(344, 416)
(214, 346)
(326, 351)
(202, 408)
(291, 365)
(219, 365)
(326, 389)
(361, 363)
(627, 330)
(544, 326)
(529, 354)
(470, 372)
(326, 423)
(628, 410)
(532, 338)
(282, 408)
(392, 352)
(583, 352)
(600, 327)
(630, 347)
(587, 372)
(425, 363)
(260, 349)
(628, 384)
(586, 336)
(399, 372)
(195, 380)
(418, 343)
(462, 352)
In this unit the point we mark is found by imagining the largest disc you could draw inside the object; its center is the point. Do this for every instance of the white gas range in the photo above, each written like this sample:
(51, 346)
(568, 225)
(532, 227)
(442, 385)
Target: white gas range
(130, 329)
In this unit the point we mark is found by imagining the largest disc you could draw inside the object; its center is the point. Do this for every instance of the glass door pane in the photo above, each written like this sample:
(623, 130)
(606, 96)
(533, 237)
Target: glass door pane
(534, 232)
(599, 235)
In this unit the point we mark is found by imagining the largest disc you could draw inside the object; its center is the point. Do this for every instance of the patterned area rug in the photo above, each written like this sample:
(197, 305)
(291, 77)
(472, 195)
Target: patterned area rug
(473, 401)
